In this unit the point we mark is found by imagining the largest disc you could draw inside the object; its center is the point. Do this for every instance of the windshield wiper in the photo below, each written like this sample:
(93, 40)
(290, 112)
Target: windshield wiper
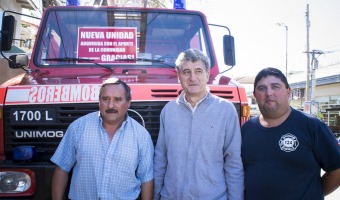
(75, 60)
(146, 60)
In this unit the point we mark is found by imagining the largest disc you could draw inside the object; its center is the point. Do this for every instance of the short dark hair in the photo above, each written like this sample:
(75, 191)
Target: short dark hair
(192, 55)
(270, 71)
(117, 81)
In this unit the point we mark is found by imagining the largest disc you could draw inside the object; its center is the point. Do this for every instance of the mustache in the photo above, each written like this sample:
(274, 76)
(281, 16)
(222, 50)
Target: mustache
(111, 110)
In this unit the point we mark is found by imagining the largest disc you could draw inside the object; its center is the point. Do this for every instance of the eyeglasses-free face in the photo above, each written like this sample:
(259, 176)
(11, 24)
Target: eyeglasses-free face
(113, 104)
(194, 77)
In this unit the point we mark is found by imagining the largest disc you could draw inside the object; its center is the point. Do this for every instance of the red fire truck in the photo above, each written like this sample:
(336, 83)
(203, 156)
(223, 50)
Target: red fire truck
(75, 50)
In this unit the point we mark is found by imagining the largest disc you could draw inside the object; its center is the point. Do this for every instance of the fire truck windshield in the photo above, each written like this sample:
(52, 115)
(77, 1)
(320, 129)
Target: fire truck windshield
(112, 38)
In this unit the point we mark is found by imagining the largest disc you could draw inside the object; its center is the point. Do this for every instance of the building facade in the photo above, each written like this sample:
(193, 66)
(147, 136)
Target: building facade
(324, 101)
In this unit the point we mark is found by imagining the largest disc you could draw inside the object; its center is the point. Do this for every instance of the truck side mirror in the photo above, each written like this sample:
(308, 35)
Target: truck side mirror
(7, 32)
(18, 61)
(229, 50)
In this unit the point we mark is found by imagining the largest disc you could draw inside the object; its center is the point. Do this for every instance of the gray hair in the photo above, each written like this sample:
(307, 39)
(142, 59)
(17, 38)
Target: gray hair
(117, 81)
(192, 55)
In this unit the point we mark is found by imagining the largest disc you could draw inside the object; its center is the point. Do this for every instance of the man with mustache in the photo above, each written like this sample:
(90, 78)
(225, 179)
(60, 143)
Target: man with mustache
(110, 153)
(283, 149)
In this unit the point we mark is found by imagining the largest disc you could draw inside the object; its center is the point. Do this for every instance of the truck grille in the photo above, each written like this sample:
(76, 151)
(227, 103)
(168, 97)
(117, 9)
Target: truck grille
(44, 135)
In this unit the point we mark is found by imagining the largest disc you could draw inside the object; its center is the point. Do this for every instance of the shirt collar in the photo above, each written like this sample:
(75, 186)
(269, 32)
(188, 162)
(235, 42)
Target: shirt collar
(198, 103)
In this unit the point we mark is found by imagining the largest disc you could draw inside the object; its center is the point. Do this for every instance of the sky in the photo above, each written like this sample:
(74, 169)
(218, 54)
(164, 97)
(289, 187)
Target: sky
(260, 43)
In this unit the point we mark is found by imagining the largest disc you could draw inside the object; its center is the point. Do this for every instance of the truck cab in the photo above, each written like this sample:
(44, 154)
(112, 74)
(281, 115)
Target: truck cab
(75, 50)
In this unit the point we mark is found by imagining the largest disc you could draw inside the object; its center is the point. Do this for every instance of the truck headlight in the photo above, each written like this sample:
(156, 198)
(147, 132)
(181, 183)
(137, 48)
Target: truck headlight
(16, 182)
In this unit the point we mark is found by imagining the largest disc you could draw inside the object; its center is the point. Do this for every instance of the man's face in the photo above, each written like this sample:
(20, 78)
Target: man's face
(272, 95)
(194, 77)
(113, 104)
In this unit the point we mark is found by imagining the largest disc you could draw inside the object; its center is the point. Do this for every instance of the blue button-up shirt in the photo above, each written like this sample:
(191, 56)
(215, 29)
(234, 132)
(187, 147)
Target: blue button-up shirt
(104, 169)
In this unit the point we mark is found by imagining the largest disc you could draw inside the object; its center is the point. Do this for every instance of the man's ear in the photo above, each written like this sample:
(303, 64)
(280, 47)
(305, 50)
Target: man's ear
(289, 91)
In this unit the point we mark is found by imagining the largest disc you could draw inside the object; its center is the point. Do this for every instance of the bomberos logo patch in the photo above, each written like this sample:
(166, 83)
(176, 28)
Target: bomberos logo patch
(288, 143)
